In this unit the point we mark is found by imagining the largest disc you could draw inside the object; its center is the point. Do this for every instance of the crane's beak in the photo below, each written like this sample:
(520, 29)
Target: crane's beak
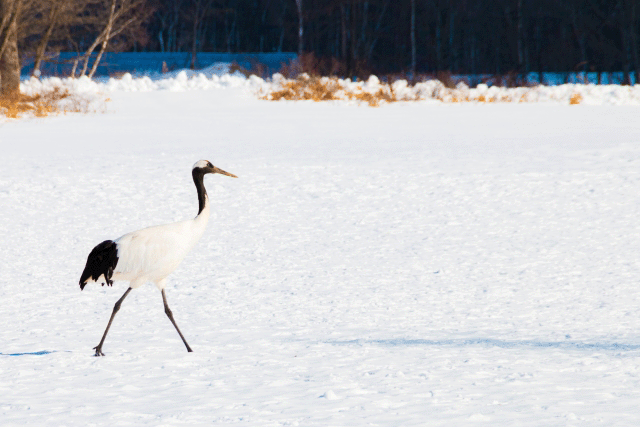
(220, 171)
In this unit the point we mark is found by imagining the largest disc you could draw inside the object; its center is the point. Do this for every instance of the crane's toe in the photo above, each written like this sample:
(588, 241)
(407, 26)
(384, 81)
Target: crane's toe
(98, 350)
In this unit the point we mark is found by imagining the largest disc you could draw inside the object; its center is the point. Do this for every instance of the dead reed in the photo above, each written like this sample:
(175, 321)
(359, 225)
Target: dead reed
(48, 102)
(307, 88)
(327, 89)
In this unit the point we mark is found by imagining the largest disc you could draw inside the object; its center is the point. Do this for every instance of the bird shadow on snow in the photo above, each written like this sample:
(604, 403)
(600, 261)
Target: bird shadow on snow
(488, 342)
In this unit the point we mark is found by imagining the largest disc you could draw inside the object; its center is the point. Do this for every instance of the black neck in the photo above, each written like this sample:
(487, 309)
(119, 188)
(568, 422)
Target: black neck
(198, 179)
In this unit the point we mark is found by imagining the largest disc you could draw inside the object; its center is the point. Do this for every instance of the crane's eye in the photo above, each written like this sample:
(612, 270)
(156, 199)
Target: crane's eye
(209, 164)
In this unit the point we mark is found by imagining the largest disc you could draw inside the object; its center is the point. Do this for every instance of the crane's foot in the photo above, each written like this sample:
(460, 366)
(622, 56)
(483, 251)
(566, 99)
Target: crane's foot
(98, 350)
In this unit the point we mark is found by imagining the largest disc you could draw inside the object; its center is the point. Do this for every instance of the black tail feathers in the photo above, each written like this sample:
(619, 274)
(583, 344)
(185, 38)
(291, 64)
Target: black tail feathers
(101, 261)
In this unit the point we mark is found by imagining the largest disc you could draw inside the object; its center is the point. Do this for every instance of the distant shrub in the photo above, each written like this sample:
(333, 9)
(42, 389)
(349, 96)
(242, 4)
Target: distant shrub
(306, 88)
(328, 89)
(255, 69)
(446, 78)
(117, 74)
(317, 66)
(239, 68)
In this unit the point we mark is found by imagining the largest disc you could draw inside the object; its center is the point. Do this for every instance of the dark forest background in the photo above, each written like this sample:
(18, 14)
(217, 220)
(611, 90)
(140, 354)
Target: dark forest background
(356, 37)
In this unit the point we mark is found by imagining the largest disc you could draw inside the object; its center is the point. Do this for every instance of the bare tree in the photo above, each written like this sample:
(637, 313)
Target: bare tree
(105, 39)
(375, 34)
(300, 27)
(413, 37)
(199, 11)
(9, 59)
(630, 39)
(120, 16)
(51, 23)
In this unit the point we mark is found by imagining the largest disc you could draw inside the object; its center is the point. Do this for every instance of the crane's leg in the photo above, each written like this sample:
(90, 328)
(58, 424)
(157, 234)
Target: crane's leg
(170, 316)
(116, 307)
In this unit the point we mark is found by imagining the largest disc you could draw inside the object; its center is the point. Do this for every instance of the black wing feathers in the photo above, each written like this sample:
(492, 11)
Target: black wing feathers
(101, 261)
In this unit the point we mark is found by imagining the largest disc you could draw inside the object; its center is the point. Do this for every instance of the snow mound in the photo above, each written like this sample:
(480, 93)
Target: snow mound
(434, 90)
(218, 76)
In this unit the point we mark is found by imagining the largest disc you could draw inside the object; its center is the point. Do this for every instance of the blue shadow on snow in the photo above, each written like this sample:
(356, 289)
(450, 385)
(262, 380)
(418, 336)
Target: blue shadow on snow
(34, 353)
(488, 342)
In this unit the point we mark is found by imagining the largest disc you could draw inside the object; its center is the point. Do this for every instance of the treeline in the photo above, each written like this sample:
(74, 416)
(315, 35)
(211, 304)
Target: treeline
(341, 37)
(420, 36)
(36, 29)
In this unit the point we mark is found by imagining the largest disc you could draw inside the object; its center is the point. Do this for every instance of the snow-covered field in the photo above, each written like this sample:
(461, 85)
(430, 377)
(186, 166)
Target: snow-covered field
(418, 264)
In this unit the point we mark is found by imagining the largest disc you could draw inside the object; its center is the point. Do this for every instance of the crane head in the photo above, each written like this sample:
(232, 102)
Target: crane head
(206, 167)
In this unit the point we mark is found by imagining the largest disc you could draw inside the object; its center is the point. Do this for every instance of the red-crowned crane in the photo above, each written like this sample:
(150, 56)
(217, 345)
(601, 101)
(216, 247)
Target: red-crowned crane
(150, 254)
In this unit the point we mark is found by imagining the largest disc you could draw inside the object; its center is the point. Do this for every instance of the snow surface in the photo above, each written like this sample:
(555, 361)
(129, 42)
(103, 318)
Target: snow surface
(419, 264)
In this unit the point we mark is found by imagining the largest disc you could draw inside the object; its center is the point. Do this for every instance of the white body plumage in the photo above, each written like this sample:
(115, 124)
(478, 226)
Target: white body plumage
(151, 254)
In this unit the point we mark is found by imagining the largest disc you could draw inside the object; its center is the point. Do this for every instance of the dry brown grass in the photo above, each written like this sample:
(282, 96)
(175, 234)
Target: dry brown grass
(575, 99)
(307, 88)
(374, 99)
(46, 103)
(327, 89)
